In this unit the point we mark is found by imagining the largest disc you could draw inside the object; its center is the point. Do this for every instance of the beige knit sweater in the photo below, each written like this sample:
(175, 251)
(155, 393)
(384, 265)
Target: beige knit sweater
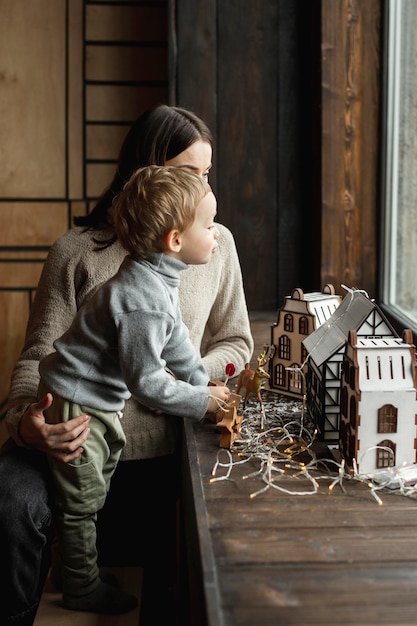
(213, 307)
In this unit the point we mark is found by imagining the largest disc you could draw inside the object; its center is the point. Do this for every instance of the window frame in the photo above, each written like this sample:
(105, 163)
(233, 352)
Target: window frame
(391, 60)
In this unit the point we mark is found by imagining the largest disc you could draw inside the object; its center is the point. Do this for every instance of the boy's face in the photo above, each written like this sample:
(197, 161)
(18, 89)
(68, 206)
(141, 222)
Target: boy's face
(199, 241)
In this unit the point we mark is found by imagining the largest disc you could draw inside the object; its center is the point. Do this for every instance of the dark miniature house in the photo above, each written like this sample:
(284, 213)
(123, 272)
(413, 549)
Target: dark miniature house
(325, 347)
(378, 402)
(299, 316)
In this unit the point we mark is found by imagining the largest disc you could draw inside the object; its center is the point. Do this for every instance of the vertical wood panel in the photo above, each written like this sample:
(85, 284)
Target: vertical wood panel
(247, 73)
(46, 107)
(350, 67)
(14, 308)
(196, 60)
(75, 100)
(297, 151)
(32, 98)
(33, 145)
(247, 140)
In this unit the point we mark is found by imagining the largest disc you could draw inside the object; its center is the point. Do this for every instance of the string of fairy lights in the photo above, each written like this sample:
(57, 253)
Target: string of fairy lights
(276, 447)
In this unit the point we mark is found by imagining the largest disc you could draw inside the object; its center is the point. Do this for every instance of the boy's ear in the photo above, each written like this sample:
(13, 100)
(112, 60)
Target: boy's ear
(173, 241)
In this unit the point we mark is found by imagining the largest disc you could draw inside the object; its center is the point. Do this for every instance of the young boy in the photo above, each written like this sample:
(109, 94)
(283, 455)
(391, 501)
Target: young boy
(128, 339)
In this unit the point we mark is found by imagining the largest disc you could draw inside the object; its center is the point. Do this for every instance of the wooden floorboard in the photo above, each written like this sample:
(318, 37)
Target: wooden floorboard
(51, 612)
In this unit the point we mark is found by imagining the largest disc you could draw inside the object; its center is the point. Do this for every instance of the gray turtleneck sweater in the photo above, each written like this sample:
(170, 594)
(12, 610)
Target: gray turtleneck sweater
(123, 339)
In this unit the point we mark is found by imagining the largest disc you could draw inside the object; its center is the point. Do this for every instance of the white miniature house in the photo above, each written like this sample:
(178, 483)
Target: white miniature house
(378, 402)
(325, 347)
(299, 316)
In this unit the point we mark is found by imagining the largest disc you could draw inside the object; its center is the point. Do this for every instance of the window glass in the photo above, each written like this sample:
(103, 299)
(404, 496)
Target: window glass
(399, 249)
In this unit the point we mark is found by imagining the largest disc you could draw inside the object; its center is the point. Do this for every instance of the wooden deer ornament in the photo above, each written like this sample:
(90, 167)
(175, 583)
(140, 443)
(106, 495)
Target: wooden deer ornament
(251, 380)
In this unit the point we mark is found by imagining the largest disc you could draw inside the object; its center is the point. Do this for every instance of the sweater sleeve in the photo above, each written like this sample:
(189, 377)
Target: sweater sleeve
(228, 338)
(143, 364)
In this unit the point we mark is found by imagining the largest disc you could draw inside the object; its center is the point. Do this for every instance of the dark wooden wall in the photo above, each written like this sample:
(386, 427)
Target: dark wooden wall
(291, 91)
(243, 71)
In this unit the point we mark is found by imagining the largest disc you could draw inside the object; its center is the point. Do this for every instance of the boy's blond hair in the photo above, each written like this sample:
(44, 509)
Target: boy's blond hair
(156, 200)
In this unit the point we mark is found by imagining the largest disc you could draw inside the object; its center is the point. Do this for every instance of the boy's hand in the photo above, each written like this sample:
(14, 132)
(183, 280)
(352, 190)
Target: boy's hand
(219, 395)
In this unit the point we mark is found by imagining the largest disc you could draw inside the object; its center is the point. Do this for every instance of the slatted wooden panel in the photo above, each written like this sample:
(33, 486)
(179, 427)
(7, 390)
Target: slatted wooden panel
(126, 72)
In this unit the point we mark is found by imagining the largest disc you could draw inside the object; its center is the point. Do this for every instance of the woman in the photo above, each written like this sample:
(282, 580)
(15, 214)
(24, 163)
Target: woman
(214, 309)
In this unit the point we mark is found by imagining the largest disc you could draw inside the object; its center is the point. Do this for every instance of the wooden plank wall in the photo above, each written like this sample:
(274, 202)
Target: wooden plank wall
(247, 73)
(351, 67)
(74, 76)
(289, 89)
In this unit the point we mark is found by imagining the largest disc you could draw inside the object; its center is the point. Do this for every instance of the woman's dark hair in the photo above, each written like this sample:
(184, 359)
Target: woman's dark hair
(157, 136)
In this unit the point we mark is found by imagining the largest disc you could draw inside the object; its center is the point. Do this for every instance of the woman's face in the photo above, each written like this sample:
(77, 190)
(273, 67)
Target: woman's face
(196, 158)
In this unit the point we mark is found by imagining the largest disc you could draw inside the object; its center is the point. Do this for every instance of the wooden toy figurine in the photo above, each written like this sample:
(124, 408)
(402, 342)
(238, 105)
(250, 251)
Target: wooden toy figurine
(252, 380)
(229, 422)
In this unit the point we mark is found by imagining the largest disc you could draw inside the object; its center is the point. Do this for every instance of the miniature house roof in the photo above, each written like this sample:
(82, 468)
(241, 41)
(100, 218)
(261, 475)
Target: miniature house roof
(322, 309)
(385, 364)
(330, 337)
(319, 304)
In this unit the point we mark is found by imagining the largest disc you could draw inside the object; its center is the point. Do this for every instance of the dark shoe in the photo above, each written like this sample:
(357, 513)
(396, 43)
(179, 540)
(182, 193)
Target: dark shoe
(104, 599)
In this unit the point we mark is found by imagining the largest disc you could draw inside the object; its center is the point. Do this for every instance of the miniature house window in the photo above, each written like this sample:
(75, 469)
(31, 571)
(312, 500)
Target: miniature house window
(387, 419)
(351, 377)
(317, 386)
(295, 378)
(280, 375)
(304, 353)
(385, 458)
(344, 370)
(284, 347)
(303, 326)
(352, 412)
(343, 401)
(288, 323)
(352, 446)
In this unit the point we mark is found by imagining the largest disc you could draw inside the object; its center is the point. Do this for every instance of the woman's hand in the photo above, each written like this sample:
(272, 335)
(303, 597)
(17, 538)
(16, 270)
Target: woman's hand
(62, 441)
